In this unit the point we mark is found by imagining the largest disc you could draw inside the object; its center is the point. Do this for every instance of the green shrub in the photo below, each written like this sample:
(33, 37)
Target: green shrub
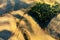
(43, 13)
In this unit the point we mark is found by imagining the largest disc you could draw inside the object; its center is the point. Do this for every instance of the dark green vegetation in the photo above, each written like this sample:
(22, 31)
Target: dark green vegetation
(43, 13)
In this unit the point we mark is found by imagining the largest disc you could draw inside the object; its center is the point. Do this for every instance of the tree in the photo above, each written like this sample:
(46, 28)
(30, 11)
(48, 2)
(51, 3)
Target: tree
(43, 13)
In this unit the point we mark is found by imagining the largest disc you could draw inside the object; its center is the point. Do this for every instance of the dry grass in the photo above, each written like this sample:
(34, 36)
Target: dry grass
(38, 33)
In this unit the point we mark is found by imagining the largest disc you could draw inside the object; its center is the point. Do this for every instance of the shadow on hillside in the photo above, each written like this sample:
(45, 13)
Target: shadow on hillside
(18, 5)
(5, 34)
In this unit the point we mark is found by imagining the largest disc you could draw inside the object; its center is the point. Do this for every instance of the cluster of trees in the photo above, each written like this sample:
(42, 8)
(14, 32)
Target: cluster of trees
(43, 13)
